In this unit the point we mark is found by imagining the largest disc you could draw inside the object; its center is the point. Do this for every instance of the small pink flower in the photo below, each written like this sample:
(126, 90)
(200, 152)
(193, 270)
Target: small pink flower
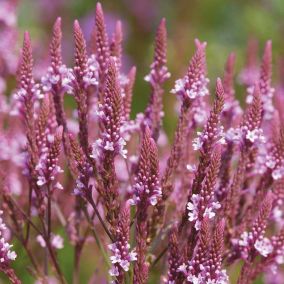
(263, 246)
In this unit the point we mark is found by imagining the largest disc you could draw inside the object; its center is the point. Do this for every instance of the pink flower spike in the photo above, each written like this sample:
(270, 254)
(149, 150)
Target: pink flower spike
(116, 44)
(194, 84)
(102, 47)
(158, 75)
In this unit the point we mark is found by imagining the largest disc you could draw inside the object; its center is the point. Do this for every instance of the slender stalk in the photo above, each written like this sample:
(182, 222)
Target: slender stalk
(97, 239)
(55, 264)
(79, 243)
(59, 213)
(76, 265)
(29, 214)
(100, 218)
(21, 238)
(44, 235)
(48, 229)
(159, 257)
(25, 216)
(32, 259)
(48, 244)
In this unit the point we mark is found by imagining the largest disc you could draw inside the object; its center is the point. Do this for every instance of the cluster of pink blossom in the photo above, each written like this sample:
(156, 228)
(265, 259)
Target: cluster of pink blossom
(6, 254)
(211, 199)
(194, 84)
(122, 256)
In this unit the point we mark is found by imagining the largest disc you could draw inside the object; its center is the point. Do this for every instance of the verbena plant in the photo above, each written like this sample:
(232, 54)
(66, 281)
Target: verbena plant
(189, 210)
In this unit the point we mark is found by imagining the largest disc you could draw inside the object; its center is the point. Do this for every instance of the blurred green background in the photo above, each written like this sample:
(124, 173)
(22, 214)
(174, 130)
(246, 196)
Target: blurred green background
(225, 25)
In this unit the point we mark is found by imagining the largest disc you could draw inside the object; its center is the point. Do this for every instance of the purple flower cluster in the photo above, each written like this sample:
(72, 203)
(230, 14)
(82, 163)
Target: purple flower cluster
(121, 254)
(6, 254)
(146, 189)
(210, 201)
